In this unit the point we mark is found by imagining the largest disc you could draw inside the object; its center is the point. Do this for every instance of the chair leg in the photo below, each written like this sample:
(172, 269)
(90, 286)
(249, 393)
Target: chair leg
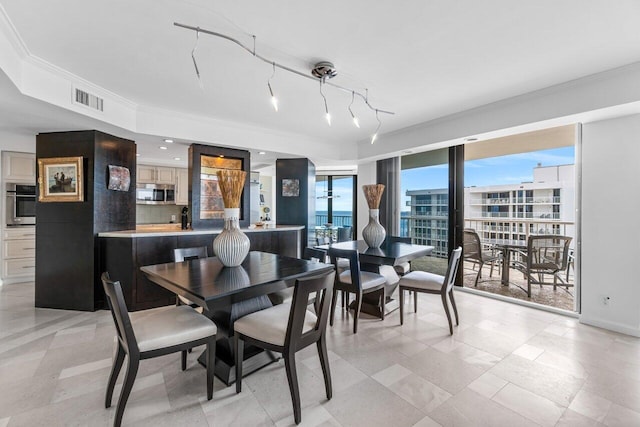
(382, 301)
(415, 301)
(113, 377)
(183, 357)
(356, 314)
(238, 345)
(292, 378)
(127, 385)
(324, 362)
(345, 301)
(446, 310)
(333, 306)
(401, 306)
(453, 304)
(211, 365)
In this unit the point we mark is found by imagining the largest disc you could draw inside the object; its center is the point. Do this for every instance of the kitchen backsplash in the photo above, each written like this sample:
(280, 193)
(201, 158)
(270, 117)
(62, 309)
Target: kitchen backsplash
(157, 214)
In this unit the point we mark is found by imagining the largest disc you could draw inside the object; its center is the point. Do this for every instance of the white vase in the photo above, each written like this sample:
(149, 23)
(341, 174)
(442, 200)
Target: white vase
(232, 245)
(374, 233)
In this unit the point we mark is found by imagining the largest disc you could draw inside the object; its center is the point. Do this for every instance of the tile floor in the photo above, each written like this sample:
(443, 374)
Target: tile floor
(505, 365)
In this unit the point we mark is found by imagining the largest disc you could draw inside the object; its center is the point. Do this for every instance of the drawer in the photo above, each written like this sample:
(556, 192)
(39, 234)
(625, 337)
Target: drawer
(19, 249)
(19, 267)
(20, 233)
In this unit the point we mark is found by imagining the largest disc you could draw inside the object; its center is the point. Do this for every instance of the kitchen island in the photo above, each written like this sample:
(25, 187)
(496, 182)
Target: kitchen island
(122, 253)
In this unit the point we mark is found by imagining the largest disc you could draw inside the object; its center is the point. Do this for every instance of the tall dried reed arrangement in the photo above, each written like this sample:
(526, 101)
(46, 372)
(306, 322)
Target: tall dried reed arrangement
(373, 194)
(231, 183)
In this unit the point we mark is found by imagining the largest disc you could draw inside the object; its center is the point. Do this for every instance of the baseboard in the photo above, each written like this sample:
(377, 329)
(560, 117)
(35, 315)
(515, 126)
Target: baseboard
(611, 326)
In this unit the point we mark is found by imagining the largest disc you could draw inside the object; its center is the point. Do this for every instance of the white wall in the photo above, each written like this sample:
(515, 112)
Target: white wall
(14, 141)
(366, 175)
(610, 235)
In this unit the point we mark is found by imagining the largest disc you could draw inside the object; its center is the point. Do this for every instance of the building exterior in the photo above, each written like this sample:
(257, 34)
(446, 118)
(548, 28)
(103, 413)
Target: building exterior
(499, 213)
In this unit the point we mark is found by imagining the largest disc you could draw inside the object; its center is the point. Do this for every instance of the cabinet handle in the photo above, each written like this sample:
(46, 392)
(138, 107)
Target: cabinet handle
(28, 266)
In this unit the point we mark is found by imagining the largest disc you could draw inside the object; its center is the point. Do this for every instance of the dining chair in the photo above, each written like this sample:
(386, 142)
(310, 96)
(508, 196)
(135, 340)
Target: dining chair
(166, 331)
(287, 329)
(186, 254)
(355, 281)
(430, 283)
(475, 253)
(545, 255)
(285, 295)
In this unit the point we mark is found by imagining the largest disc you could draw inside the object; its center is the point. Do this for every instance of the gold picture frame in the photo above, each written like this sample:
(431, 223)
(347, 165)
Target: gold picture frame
(60, 179)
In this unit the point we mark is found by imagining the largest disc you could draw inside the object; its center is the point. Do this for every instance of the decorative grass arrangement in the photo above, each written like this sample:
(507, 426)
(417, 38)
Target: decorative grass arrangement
(373, 194)
(231, 183)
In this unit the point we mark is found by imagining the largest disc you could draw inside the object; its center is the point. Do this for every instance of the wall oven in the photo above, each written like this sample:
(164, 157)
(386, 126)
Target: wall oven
(155, 194)
(21, 204)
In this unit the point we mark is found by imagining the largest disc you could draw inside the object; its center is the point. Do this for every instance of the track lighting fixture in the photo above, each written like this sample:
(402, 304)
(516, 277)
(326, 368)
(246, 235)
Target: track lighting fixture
(326, 107)
(193, 56)
(274, 100)
(375, 134)
(322, 71)
(353, 116)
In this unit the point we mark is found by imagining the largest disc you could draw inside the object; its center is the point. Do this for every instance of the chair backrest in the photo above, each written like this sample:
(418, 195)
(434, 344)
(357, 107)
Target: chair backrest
(323, 240)
(452, 269)
(548, 249)
(120, 314)
(354, 265)
(320, 285)
(311, 254)
(472, 245)
(186, 254)
(397, 239)
(344, 233)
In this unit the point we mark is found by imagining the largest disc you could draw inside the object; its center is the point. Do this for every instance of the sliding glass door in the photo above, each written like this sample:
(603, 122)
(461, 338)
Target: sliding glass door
(335, 206)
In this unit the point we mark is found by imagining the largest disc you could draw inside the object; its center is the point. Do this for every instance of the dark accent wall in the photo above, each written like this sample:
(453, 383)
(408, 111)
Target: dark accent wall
(388, 173)
(195, 153)
(67, 247)
(299, 210)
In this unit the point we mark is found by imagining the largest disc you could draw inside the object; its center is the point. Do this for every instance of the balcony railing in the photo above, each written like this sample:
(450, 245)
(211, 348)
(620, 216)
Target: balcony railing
(513, 201)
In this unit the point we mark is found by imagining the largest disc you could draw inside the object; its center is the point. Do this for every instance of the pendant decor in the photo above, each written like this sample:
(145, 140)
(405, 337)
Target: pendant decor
(232, 245)
(373, 233)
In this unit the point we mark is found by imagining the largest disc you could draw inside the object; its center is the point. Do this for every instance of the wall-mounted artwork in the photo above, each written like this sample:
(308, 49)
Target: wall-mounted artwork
(119, 178)
(60, 179)
(290, 187)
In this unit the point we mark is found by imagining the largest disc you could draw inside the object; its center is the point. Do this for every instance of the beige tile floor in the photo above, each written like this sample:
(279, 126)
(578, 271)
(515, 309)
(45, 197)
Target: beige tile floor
(505, 365)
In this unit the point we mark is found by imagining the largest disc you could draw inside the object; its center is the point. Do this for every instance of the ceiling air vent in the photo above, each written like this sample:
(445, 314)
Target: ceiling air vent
(85, 98)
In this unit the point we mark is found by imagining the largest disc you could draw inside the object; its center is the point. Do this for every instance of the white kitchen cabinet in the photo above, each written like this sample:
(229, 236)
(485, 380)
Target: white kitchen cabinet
(18, 254)
(19, 167)
(155, 175)
(182, 186)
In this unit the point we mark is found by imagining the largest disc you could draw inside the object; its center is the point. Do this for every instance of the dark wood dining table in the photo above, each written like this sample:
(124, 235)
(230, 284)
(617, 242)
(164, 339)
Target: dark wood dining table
(389, 253)
(228, 293)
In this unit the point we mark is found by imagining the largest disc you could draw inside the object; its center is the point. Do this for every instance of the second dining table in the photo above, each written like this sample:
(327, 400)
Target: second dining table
(228, 293)
(389, 253)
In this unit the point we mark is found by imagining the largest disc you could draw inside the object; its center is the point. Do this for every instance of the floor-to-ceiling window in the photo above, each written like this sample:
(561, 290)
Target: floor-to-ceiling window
(425, 209)
(335, 205)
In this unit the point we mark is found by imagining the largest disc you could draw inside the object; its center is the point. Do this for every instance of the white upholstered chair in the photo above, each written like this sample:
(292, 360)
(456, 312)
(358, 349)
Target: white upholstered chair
(422, 281)
(174, 329)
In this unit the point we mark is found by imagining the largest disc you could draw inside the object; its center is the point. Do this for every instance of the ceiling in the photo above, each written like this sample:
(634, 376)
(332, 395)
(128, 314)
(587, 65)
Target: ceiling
(421, 59)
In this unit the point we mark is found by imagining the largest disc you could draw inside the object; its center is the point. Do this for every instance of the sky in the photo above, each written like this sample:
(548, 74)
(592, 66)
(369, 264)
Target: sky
(511, 169)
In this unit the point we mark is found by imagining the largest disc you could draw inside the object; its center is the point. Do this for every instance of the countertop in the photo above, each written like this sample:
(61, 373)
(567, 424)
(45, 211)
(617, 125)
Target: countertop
(162, 230)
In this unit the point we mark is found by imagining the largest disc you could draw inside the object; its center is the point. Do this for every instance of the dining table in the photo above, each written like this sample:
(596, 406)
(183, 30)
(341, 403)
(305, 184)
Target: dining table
(371, 259)
(507, 248)
(228, 293)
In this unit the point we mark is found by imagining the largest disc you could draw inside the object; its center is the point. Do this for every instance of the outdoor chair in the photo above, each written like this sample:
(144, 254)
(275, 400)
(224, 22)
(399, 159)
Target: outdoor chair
(477, 255)
(545, 256)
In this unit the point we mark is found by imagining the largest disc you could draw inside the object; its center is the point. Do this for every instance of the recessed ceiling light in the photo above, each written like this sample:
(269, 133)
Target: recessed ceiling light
(137, 154)
(162, 147)
(221, 155)
(407, 152)
(169, 141)
(262, 152)
(176, 158)
(471, 139)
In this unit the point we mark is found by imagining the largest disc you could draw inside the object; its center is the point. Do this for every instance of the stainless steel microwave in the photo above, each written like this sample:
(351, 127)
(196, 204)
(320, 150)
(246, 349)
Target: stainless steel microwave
(21, 204)
(156, 194)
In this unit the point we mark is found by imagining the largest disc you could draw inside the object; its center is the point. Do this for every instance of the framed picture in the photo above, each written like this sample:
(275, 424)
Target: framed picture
(60, 179)
(290, 187)
(119, 178)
